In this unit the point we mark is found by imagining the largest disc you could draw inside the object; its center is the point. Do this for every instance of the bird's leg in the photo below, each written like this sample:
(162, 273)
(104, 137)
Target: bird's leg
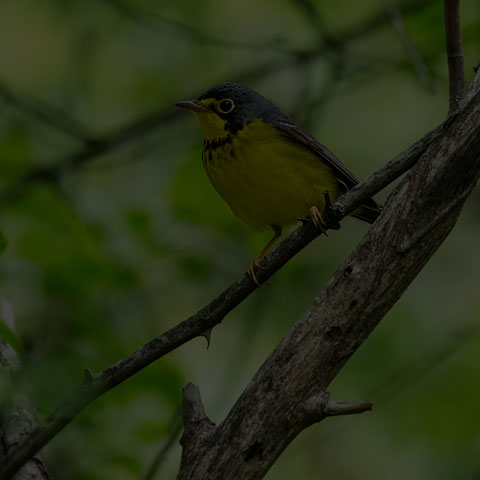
(317, 219)
(277, 231)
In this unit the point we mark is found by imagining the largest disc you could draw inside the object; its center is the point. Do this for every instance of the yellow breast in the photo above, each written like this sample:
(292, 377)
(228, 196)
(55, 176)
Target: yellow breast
(267, 179)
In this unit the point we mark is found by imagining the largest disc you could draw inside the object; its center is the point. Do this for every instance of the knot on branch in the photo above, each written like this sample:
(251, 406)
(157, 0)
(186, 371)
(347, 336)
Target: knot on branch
(197, 425)
(314, 407)
(319, 406)
(334, 212)
(198, 428)
(206, 320)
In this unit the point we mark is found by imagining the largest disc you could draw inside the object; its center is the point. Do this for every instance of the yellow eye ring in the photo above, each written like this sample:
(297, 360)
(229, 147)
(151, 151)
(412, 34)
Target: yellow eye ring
(226, 105)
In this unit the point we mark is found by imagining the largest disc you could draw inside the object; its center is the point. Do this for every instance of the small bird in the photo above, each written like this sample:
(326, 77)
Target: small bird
(267, 167)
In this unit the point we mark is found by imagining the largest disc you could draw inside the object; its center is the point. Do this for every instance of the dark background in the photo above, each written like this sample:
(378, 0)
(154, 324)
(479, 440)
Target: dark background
(115, 235)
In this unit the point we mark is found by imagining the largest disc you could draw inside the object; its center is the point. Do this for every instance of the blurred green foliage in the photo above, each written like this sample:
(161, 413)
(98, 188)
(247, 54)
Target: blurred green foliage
(115, 235)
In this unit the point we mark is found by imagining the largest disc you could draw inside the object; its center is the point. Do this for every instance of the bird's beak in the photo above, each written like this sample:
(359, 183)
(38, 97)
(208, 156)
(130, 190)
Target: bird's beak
(192, 105)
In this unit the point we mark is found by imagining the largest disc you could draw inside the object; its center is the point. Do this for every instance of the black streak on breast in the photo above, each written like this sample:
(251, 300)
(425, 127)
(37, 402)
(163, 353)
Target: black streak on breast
(215, 143)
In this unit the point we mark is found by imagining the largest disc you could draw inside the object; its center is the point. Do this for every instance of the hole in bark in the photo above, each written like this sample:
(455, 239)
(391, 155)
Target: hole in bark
(333, 332)
(256, 450)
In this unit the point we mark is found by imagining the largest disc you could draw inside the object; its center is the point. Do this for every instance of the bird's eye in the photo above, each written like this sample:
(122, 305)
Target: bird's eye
(226, 106)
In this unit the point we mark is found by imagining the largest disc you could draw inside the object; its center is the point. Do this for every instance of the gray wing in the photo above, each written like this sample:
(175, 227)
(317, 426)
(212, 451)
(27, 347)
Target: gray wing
(296, 133)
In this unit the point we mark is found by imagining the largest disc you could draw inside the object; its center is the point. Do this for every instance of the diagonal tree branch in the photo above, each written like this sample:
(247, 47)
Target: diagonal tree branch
(456, 70)
(201, 323)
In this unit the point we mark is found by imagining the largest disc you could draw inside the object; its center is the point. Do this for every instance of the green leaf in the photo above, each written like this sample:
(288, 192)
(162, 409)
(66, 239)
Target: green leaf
(7, 334)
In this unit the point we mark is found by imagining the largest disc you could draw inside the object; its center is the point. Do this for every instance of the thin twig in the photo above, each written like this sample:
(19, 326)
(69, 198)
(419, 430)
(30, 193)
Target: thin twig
(212, 314)
(347, 408)
(456, 71)
(319, 406)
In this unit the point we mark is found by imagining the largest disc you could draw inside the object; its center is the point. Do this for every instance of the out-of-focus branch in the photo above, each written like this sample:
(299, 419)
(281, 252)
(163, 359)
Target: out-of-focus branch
(312, 15)
(47, 113)
(158, 22)
(17, 411)
(94, 148)
(101, 144)
(456, 71)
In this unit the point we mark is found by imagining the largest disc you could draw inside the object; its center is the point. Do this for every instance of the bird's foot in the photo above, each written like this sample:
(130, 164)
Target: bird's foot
(317, 219)
(251, 269)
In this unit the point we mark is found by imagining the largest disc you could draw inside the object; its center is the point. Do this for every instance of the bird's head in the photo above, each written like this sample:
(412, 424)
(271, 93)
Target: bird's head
(227, 108)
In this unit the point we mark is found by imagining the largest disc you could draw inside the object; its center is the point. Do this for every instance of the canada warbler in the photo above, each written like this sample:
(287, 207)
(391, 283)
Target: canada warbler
(268, 168)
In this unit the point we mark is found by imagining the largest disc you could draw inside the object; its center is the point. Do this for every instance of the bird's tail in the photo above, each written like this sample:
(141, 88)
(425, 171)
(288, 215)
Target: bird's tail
(368, 212)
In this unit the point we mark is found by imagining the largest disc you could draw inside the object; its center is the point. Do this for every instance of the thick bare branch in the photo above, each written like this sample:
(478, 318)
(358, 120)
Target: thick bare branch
(318, 406)
(456, 71)
(417, 218)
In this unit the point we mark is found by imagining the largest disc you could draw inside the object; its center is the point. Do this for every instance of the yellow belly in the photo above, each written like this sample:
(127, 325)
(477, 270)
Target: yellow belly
(266, 179)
